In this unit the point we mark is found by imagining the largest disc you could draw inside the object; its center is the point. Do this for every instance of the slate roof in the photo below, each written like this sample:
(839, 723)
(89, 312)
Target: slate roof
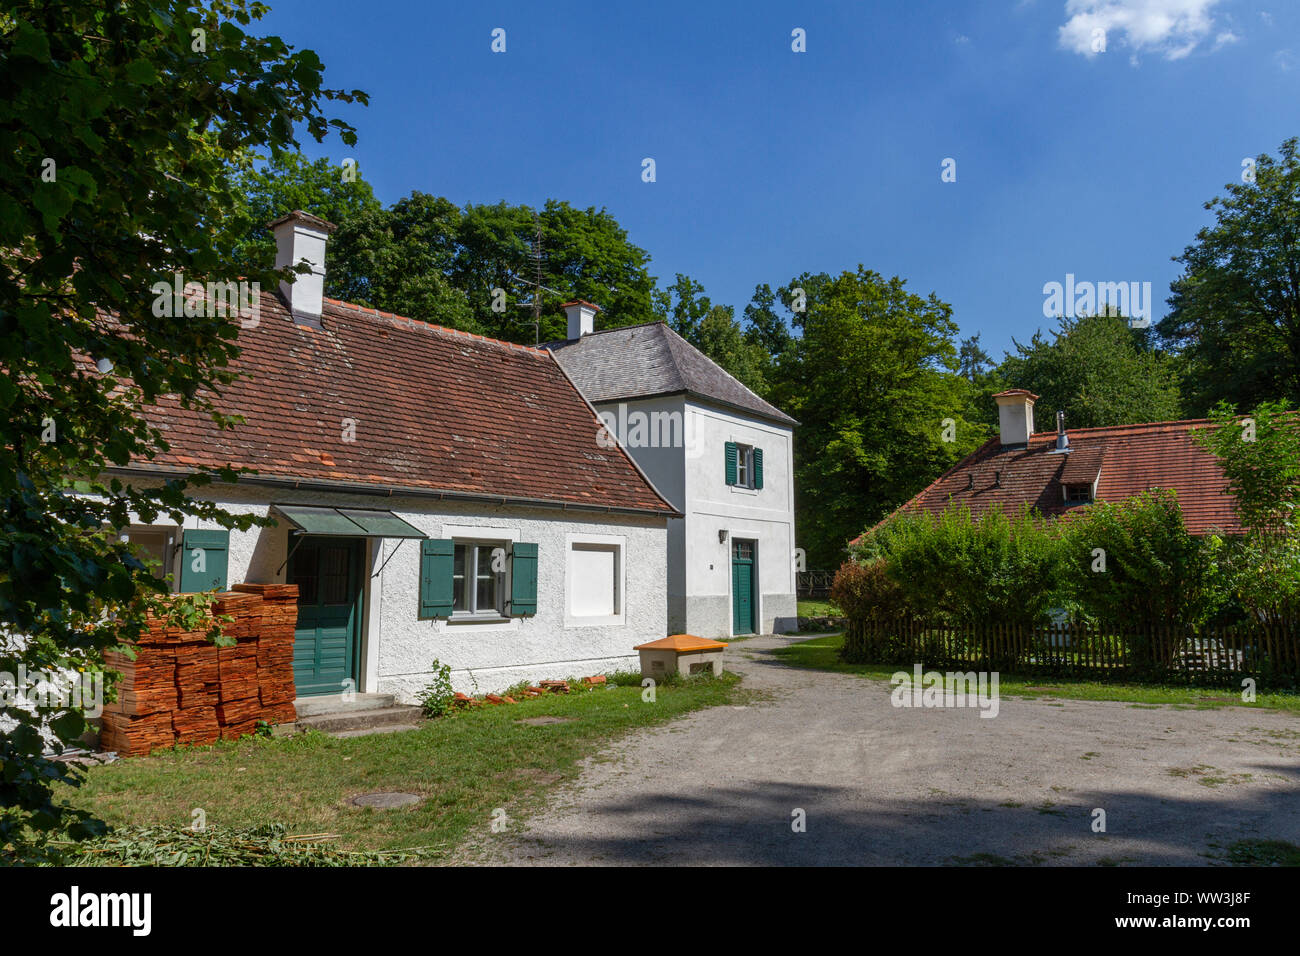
(1124, 460)
(435, 410)
(642, 361)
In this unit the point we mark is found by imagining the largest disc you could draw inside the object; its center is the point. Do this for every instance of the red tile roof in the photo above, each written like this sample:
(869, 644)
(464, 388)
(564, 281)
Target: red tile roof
(435, 410)
(1124, 460)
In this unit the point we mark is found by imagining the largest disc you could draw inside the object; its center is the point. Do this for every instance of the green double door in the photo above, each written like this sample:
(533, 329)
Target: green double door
(742, 587)
(327, 638)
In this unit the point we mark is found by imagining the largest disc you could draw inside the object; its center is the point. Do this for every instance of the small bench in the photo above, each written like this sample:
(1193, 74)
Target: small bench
(681, 654)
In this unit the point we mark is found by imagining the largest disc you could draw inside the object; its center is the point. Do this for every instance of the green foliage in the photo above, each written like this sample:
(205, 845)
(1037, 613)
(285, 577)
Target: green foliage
(116, 143)
(1096, 369)
(1260, 455)
(286, 181)
(866, 590)
(720, 338)
(954, 566)
(268, 844)
(438, 696)
(1154, 572)
(1235, 310)
(871, 380)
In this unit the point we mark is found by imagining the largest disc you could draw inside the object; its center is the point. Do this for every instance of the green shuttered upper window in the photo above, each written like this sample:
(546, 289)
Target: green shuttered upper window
(744, 465)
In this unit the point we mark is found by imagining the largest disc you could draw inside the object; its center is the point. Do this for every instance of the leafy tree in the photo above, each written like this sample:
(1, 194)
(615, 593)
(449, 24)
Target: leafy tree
(1098, 370)
(764, 326)
(402, 259)
(1260, 454)
(689, 306)
(873, 380)
(117, 122)
(973, 361)
(1235, 310)
(286, 181)
(720, 338)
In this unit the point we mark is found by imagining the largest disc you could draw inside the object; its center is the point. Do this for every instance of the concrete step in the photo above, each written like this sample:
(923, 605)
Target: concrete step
(335, 704)
(394, 716)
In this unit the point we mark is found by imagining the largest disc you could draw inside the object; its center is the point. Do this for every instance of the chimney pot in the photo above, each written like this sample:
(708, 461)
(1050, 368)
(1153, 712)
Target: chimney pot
(1015, 415)
(1062, 439)
(582, 317)
(298, 236)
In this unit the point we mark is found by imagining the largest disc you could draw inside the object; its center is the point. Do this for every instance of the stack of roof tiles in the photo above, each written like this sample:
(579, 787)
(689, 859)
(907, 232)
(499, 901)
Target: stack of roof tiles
(183, 689)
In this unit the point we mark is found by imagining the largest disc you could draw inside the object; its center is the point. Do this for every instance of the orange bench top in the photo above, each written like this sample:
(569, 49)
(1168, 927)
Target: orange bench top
(681, 643)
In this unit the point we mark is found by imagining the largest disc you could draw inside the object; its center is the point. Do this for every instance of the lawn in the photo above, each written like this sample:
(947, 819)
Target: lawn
(465, 766)
(812, 608)
(822, 653)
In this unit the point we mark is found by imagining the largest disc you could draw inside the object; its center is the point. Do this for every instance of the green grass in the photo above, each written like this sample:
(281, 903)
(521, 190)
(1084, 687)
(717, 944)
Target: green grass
(465, 766)
(1264, 853)
(822, 653)
(811, 608)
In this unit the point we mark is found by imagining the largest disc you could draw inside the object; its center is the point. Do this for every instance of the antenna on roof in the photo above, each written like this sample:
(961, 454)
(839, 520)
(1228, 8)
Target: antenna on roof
(538, 256)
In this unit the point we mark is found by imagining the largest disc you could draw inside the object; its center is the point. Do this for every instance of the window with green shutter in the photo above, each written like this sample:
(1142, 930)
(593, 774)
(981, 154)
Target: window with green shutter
(204, 559)
(436, 577)
(758, 468)
(523, 579)
(731, 462)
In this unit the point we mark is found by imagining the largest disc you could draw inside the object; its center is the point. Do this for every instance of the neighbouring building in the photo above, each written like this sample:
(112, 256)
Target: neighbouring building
(1056, 471)
(723, 456)
(435, 495)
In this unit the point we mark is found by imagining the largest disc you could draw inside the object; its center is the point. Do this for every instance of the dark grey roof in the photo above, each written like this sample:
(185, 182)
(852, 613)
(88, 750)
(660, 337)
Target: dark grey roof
(639, 361)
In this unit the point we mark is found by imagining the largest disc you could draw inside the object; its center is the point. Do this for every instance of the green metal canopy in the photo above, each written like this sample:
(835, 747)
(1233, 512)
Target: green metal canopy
(347, 522)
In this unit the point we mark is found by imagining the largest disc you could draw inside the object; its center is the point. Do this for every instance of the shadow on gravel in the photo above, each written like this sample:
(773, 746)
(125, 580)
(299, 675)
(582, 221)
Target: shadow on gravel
(753, 826)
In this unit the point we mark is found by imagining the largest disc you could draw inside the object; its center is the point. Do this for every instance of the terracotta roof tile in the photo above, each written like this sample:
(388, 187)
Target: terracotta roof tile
(434, 409)
(1124, 460)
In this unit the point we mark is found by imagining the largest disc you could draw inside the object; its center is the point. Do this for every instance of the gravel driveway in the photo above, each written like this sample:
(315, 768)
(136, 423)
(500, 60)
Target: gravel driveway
(885, 785)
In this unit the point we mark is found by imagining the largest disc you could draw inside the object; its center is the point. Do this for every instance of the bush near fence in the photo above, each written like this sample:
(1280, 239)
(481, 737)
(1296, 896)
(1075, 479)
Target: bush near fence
(1172, 653)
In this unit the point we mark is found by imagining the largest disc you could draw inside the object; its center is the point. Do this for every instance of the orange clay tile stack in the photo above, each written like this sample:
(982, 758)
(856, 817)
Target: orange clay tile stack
(182, 689)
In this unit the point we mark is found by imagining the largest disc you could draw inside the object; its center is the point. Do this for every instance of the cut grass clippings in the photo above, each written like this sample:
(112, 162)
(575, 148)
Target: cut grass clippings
(465, 766)
(822, 653)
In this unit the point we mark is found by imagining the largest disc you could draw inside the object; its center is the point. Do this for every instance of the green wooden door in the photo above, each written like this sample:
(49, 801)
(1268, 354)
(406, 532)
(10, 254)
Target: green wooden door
(327, 639)
(742, 587)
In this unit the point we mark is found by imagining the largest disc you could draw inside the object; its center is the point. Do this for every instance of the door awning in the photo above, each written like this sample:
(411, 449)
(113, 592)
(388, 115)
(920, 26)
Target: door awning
(347, 522)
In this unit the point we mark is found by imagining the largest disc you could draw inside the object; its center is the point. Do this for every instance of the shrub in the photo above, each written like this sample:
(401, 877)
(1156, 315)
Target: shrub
(966, 569)
(1132, 561)
(866, 590)
(437, 697)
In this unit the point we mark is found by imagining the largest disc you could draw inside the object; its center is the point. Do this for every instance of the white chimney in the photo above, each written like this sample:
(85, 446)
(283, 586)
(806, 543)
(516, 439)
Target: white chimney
(299, 236)
(1016, 415)
(582, 317)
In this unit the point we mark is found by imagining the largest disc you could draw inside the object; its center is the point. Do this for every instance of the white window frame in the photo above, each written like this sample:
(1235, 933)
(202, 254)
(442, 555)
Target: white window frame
(171, 535)
(493, 537)
(619, 543)
(744, 466)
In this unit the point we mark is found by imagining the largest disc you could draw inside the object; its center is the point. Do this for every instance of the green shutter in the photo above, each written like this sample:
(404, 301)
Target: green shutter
(204, 560)
(435, 577)
(758, 468)
(731, 462)
(523, 579)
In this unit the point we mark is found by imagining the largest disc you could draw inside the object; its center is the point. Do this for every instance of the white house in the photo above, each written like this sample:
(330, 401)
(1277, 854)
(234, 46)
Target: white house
(720, 454)
(435, 495)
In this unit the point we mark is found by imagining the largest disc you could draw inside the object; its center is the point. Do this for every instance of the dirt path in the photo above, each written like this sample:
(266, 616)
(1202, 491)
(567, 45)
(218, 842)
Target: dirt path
(886, 785)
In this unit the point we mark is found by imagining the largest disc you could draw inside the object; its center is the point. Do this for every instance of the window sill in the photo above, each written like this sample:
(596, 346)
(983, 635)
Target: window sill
(479, 619)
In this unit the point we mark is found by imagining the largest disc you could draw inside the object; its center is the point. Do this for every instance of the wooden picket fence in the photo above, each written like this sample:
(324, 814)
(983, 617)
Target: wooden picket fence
(1268, 652)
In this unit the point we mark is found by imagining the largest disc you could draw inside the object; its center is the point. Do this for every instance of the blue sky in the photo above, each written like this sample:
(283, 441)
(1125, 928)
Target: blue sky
(771, 162)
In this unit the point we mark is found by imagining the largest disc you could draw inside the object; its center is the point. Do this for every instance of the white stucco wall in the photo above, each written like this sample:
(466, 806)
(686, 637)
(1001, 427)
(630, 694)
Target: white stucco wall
(398, 648)
(692, 475)
(765, 516)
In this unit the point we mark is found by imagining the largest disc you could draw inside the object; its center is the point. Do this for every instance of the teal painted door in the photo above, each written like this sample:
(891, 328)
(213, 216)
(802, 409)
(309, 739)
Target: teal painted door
(327, 639)
(742, 587)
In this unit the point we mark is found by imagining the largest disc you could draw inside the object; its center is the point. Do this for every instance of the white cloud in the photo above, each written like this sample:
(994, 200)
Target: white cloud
(1224, 38)
(1172, 28)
